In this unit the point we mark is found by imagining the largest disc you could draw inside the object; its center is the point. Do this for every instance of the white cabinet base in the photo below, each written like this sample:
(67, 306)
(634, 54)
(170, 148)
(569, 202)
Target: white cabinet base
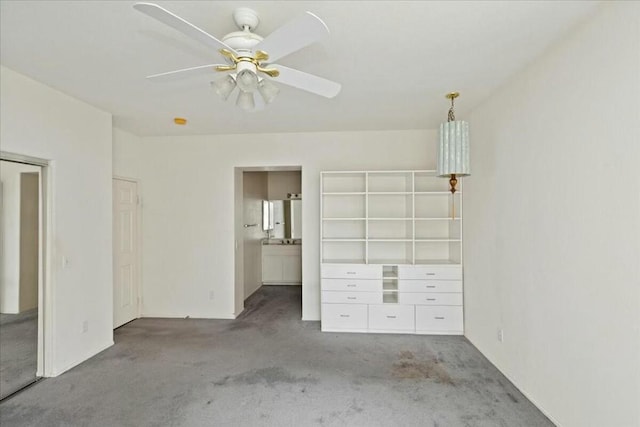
(281, 265)
(391, 318)
(352, 297)
(392, 299)
(439, 320)
(344, 317)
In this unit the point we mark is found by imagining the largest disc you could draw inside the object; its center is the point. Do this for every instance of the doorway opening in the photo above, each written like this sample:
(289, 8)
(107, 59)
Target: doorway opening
(269, 241)
(21, 275)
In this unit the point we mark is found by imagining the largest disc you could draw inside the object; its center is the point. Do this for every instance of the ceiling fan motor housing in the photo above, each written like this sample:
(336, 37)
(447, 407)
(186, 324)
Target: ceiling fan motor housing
(246, 65)
(242, 41)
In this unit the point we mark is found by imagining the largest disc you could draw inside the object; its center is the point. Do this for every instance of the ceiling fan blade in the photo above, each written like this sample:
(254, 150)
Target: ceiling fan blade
(305, 81)
(181, 25)
(184, 73)
(292, 36)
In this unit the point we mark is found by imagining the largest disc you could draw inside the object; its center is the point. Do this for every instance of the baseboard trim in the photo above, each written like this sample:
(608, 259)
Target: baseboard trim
(88, 355)
(172, 316)
(281, 284)
(347, 331)
(421, 332)
(524, 393)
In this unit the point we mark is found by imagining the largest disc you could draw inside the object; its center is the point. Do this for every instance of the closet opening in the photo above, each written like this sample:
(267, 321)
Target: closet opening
(21, 275)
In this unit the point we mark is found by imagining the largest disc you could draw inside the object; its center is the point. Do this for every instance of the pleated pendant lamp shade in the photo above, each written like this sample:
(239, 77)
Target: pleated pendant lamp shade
(453, 149)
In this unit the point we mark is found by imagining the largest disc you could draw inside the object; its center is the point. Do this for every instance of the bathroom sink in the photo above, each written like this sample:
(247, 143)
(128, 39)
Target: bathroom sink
(272, 242)
(281, 242)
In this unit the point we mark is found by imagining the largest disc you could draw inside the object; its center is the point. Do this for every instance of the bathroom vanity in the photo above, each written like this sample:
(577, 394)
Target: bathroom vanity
(281, 262)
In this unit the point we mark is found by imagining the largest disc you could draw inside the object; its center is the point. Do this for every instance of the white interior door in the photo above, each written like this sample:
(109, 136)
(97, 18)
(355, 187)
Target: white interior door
(125, 251)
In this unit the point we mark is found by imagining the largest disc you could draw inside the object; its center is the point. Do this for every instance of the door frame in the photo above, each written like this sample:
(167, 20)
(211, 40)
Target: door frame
(46, 282)
(138, 237)
(239, 230)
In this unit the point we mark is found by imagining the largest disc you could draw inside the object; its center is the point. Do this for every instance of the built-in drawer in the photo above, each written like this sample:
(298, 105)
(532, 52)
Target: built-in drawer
(442, 319)
(429, 298)
(391, 317)
(351, 271)
(352, 297)
(344, 316)
(430, 285)
(430, 272)
(371, 285)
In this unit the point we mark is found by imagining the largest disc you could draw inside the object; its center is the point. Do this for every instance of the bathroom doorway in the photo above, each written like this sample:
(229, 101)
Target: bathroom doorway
(269, 235)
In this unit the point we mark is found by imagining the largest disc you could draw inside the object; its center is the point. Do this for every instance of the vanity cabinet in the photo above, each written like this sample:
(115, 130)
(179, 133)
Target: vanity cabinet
(391, 253)
(281, 264)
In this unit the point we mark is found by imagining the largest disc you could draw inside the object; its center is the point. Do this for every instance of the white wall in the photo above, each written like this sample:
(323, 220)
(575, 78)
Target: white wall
(283, 182)
(128, 155)
(552, 225)
(188, 213)
(10, 235)
(38, 121)
(254, 192)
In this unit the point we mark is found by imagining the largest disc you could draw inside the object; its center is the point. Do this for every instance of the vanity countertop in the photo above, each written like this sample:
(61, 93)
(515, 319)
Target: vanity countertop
(281, 241)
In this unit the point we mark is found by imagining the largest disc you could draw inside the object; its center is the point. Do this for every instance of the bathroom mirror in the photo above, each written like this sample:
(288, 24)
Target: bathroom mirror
(282, 218)
(293, 219)
(267, 215)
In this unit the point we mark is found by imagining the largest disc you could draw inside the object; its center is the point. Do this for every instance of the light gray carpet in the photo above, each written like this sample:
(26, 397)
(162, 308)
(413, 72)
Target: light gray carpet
(18, 350)
(268, 368)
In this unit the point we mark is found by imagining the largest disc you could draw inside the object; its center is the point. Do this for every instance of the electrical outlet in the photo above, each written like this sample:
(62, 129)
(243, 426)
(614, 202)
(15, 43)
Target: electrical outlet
(500, 335)
(85, 326)
(211, 295)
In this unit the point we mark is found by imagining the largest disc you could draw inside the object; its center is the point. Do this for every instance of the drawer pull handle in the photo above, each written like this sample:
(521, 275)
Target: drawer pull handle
(439, 318)
(351, 272)
(345, 315)
(431, 299)
(431, 286)
(391, 317)
(431, 274)
(351, 286)
(352, 297)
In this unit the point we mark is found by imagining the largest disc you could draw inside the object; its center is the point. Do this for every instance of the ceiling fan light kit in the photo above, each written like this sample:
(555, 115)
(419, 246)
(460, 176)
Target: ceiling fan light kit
(268, 90)
(224, 86)
(245, 101)
(248, 57)
(247, 80)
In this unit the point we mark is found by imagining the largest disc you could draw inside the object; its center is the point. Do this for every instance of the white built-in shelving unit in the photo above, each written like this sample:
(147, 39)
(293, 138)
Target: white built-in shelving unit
(403, 217)
(387, 237)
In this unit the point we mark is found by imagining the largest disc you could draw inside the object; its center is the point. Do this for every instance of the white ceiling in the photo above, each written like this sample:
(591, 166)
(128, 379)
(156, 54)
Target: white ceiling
(394, 59)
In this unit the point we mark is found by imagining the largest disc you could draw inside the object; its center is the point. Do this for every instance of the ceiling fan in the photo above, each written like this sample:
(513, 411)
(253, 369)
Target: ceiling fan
(249, 59)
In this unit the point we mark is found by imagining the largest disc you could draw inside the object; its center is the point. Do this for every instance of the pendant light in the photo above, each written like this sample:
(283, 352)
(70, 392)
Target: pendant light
(453, 150)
